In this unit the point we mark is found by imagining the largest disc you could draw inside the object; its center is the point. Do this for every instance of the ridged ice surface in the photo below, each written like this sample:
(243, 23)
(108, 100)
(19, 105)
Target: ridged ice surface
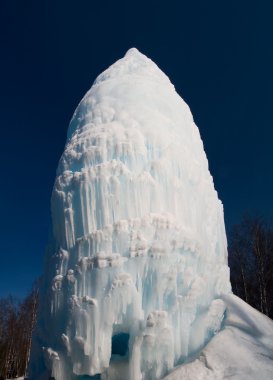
(139, 259)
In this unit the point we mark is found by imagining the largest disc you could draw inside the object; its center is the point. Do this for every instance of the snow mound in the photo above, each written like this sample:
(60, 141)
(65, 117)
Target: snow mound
(242, 350)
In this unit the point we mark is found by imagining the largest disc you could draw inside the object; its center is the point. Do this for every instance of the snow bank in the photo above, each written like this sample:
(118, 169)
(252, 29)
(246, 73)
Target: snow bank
(242, 350)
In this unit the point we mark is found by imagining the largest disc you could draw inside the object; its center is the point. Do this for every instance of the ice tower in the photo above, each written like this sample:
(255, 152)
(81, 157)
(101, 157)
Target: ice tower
(139, 259)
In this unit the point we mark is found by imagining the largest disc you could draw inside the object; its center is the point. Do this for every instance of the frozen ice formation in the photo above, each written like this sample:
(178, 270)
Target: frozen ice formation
(134, 277)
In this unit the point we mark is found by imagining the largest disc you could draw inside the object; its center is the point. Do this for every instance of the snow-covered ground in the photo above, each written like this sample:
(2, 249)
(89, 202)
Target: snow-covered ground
(242, 350)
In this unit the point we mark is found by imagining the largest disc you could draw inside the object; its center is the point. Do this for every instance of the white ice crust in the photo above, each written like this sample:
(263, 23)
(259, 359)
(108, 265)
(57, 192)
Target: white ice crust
(139, 238)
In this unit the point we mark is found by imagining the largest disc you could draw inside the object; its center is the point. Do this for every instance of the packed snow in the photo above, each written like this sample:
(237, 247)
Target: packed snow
(135, 276)
(242, 350)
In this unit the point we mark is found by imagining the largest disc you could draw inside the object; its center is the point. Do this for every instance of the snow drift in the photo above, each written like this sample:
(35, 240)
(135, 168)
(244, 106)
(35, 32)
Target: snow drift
(242, 350)
(135, 274)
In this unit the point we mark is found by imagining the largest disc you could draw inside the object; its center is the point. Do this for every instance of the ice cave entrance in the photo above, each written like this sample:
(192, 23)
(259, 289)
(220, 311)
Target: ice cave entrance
(119, 345)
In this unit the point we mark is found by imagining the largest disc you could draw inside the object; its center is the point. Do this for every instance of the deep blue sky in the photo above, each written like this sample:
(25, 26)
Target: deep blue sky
(218, 54)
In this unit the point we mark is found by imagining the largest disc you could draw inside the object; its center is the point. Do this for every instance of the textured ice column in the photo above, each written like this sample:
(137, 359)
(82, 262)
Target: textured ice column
(139, 257)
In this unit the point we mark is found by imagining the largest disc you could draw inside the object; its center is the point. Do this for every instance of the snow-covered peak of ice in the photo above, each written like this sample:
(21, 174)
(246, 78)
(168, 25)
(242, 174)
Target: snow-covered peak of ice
(122, 81)
(135, 52)
(136, 64)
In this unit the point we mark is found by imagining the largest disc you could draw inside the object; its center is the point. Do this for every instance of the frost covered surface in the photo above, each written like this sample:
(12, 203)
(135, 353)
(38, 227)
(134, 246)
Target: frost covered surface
(139, 248)
(242, 350)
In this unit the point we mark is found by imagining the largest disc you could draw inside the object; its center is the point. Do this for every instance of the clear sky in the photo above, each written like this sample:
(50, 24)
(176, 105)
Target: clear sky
(218, 54)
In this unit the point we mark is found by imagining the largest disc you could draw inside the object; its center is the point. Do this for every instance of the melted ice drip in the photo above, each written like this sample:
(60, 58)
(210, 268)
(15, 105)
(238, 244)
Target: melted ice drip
(140, 245)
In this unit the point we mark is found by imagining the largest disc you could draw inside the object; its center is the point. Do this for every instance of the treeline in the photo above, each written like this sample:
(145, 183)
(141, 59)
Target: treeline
(17, 320)
(251, 263)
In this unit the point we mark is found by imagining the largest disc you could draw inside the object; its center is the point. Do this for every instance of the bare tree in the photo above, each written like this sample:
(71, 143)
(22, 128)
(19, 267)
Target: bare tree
(251, 262)
(16, 325)
(8, 319)
(239, 265)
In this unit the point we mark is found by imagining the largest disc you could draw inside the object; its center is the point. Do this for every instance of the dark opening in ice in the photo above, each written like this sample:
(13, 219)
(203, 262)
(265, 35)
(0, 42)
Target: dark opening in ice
(120, 344)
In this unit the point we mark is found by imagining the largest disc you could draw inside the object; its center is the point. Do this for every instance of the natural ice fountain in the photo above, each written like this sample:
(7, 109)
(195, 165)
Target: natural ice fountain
(139, 259)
